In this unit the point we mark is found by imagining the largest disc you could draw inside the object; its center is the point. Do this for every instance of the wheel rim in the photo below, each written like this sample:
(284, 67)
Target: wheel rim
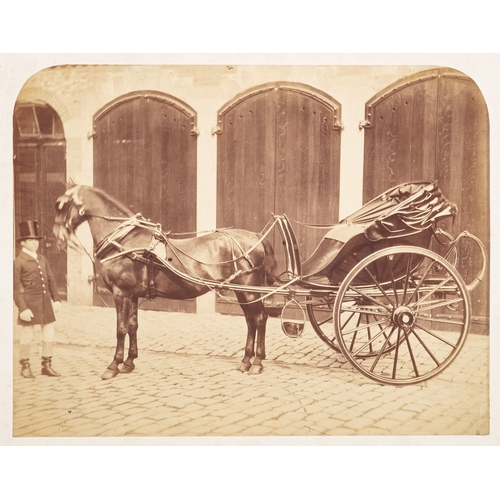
(320, 314)
(402, 315)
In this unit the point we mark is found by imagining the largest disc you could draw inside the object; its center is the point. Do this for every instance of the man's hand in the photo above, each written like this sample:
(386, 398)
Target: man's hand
(57, 306)
(26, 315)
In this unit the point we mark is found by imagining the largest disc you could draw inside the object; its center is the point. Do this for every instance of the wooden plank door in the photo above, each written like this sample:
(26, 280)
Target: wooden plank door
(145, 156)
(278, 151)
(434, 125)
(40, 177)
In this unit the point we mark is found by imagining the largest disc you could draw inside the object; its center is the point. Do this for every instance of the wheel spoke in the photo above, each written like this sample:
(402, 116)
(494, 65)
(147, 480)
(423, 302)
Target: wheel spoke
(348, 319)
(360, 310)
(437, 319)
(410, 350)
(408, 270)
(433, 304)
(377, 359)
(383, 331)
(375, 301)
(436, 336)
(370, 333)
(391, 273)
(394, 366)
(330, 318)
(377, 284)
(424, 345)
(353, 341)
(375, 323)
(373, 340)
(419, 284)
(434, 290)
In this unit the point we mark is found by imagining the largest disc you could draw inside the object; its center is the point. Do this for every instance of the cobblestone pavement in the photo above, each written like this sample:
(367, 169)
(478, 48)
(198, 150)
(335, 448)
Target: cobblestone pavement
(186, 384)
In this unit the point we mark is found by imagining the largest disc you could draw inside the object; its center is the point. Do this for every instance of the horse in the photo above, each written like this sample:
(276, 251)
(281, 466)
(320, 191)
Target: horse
(139, 260)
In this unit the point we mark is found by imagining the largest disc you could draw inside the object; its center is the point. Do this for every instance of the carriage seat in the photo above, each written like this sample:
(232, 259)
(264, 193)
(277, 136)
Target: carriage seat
(399, 213)
(330, 246)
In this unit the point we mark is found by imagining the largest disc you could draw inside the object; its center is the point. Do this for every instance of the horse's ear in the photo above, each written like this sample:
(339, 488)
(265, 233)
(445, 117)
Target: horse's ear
(70, 183)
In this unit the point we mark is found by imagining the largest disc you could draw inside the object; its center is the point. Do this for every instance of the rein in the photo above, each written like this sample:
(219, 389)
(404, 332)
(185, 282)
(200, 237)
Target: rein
(244, 254)
(152, 260)
(312, 226)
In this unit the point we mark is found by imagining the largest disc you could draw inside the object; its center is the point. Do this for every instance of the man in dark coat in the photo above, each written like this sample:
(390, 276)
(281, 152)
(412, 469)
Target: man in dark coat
(34, 291)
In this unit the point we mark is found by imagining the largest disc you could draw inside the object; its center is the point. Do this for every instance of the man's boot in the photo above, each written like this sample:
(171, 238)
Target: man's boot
(26, 370)
(47, 367)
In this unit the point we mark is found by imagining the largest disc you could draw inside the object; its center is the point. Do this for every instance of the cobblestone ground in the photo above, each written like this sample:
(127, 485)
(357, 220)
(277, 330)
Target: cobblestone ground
(186, 384)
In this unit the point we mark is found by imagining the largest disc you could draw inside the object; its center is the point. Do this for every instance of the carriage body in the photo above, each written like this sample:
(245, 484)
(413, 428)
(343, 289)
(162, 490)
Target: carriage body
(383, 286)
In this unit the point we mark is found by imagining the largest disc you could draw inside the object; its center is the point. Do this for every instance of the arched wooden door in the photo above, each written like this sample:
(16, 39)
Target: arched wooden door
(434, 125)
(145, 156)
(278, 151)
(40, 176)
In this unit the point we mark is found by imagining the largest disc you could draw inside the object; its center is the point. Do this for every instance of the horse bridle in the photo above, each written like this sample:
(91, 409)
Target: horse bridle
(75, 200)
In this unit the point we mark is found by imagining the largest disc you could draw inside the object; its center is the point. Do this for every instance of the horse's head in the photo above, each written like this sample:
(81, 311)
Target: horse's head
(70, 213)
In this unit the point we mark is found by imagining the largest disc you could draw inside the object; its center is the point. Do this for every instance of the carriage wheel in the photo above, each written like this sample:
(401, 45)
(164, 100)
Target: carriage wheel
(320, 313)
(402, 315)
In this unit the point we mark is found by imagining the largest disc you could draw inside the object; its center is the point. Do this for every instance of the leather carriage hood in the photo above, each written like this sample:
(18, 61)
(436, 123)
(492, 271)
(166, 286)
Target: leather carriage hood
(400, 212)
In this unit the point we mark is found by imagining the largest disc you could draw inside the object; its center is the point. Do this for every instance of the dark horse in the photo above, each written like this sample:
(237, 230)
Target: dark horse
(139, 260)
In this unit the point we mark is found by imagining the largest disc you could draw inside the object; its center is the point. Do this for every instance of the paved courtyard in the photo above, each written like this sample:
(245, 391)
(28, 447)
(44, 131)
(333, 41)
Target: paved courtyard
(186, 384)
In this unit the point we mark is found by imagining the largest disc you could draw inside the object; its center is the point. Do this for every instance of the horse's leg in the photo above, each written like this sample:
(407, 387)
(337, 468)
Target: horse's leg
(260, 319)
(246, 362)
(133, 352)
(122, 305)
(256, 319)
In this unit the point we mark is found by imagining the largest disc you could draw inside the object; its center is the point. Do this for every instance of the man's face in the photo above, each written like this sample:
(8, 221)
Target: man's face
(30, 244)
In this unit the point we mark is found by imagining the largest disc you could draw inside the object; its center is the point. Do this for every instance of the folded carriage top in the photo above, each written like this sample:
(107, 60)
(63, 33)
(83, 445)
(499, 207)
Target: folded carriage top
(399, 212)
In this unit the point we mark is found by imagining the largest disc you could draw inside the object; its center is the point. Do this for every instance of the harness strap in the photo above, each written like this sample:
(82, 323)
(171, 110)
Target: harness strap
(152, 260)
(151, 294)
(235, 242)
(245, 255)
(120, 232)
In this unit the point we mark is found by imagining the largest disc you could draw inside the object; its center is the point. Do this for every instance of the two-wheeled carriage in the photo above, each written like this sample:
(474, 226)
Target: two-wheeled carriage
(378, 289)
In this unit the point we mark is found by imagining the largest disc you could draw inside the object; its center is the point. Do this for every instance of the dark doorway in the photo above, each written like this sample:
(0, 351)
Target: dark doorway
(40, 176)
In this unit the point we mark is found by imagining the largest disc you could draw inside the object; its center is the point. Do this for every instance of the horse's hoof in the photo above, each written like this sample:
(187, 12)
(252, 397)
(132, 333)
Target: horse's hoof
(256, 369)
(109, 374)
(127, 369)
(244, 367)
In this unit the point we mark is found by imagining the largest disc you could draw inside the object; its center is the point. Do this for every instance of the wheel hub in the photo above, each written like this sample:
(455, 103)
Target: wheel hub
(403, 317)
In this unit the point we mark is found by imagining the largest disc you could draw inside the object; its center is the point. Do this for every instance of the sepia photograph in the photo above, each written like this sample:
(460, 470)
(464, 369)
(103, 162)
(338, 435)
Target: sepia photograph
(250, 251)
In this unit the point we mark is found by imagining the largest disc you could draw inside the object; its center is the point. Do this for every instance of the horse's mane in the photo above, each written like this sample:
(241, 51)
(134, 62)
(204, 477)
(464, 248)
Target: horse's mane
(109, 200)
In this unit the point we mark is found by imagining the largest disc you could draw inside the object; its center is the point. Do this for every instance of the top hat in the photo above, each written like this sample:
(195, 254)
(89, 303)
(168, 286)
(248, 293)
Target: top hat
(29, 231)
